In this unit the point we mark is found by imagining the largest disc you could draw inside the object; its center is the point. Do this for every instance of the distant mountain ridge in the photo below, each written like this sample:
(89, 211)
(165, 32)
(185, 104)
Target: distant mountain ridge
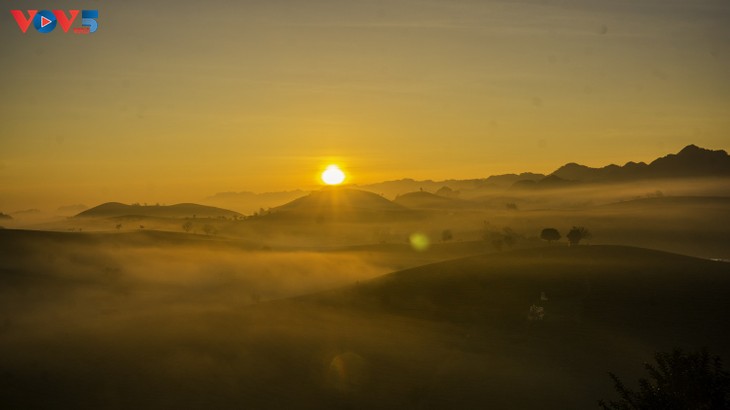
(184, 210)
(691, 161)
(408, 185)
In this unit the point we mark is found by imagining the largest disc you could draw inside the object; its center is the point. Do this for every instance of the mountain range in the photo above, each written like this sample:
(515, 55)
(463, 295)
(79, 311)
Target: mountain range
(691, 161)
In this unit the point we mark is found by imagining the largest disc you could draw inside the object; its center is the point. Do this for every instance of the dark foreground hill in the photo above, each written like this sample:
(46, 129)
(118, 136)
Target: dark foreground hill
(456, 334)
(621, 285)
(186, 210)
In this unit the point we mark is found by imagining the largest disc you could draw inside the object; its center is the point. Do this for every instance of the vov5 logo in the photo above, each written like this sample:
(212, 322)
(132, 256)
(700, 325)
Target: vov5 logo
(46, 21)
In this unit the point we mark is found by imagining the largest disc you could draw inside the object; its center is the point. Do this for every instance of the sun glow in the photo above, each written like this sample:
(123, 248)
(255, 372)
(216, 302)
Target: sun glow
(333, 175)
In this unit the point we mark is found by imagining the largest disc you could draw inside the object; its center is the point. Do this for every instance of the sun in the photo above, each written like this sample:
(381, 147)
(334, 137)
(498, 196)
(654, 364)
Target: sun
(333, 175)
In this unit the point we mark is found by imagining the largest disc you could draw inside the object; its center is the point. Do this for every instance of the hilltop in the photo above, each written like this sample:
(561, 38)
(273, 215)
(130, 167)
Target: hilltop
(185, 210)
(577, 280)
(605, 307)
(339, 203)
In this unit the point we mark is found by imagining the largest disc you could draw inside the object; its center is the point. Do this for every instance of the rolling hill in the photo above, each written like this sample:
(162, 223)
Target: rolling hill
(455, 334)
(579, 280)
(338, 203)
(185, 210)
(605, 307)
(427, 200)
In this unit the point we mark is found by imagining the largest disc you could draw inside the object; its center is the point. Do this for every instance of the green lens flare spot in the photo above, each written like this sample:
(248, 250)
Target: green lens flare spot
(419, 241)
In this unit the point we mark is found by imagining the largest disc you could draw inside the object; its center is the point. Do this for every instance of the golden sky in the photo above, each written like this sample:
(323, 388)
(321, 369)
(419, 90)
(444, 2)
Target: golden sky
(175, 101)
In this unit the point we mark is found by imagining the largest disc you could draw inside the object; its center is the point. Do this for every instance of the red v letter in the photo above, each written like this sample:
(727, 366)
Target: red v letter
(63, 21)
(21, 20)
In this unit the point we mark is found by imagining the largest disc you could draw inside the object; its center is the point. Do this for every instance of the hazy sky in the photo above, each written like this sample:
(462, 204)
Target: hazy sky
(174, 101)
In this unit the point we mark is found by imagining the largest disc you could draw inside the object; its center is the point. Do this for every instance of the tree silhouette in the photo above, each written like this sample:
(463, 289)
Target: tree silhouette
(209, 229)
(577, 234)
(550, 234)
(686, 381)
(187, 226)
(509, 240)
(446, 235)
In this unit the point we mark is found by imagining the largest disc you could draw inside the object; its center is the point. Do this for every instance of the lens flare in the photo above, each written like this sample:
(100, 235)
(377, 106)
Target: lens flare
(419, 241)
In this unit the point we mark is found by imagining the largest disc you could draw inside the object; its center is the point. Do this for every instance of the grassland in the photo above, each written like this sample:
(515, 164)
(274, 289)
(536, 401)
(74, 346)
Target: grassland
(169, 320)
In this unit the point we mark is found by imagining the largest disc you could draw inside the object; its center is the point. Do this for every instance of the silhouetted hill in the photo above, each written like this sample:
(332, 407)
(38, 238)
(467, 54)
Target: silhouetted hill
(96, 330)
(395, 188)
(185, 210)
(635, 289)
(603, 306)
(692, 161)
(5, 216)
(427, 200)
(340, 203)
(507, 180)
(250, 202)
(406, 185)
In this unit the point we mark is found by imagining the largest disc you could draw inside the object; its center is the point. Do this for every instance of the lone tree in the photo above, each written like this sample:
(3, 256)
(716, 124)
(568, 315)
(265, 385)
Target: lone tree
(577, 234)
(209, 229)
(550, 234)
(687, 381)
(446, 235)
(187, 226)
(509, 240)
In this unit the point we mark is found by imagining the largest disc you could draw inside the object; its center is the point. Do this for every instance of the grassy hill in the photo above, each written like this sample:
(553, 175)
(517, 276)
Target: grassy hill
(186, 210)
(583, 284)
(607, 308)
(454, 334)
(336, 203)
(427, 200)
